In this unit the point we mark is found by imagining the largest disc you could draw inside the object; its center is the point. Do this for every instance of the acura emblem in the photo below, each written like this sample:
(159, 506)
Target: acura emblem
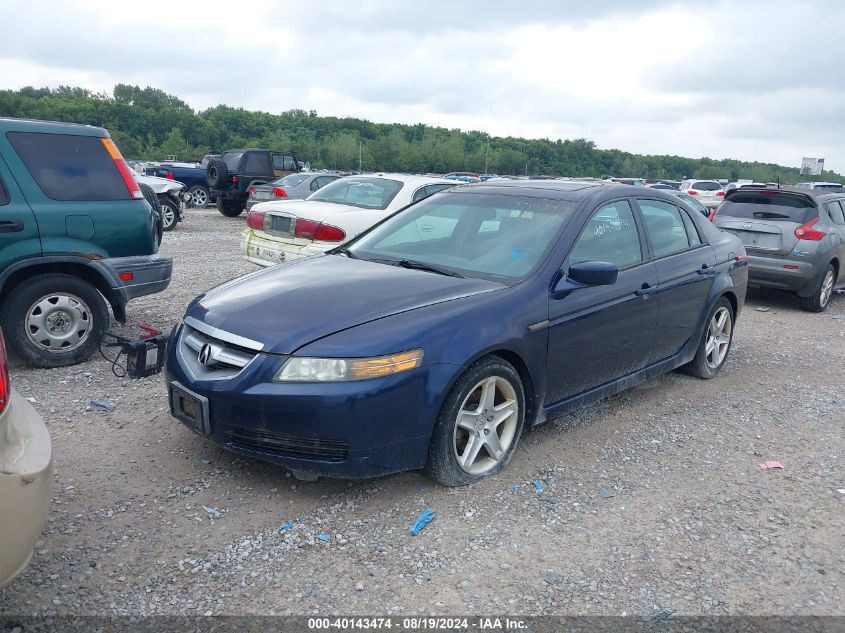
(206, 353)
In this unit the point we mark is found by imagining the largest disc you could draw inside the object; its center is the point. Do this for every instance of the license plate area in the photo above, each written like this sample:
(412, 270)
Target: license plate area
(189, 408)
(282, 224)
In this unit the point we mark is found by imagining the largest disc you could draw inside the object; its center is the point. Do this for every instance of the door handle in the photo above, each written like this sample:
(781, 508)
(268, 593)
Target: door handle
(10, 226)
(644, 291)
(706, 271)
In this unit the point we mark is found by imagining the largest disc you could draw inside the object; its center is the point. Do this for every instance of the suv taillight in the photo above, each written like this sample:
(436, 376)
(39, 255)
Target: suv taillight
(123, 168)
(720, 194)
(278, 192)
(251, 190)
(692, 192)
(311, 230)
(169, 175)
(5, 386)
(806, 231)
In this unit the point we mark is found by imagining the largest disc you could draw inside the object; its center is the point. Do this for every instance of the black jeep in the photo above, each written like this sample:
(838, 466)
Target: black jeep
(230, 175)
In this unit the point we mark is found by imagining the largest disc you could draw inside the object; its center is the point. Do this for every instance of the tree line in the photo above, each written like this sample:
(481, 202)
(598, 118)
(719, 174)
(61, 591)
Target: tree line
(147, 123)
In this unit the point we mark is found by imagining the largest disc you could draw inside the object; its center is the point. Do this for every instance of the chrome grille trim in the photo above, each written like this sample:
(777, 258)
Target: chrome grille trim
(213, 332)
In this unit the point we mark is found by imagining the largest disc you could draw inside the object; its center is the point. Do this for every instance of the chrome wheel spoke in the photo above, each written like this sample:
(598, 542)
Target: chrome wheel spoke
(488, 394)
(503, 412)
(494, 446)
(466, 421)
(474, 444)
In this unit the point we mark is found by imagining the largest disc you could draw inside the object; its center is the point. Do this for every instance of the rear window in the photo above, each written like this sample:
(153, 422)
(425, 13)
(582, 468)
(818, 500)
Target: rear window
(69, 167)
(768, 206)
(257, 163)
(368, 193)
(290, 180)
(703, 185)
(232, 160)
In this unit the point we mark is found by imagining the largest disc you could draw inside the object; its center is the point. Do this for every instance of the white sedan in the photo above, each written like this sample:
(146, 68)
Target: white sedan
(284, 230)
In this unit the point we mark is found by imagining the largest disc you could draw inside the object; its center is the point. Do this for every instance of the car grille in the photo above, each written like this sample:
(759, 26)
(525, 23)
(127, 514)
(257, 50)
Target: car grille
(223, 360)
(331, 450)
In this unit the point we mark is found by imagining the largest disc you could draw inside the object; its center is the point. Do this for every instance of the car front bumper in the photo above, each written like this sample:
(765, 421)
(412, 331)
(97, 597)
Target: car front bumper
(268, 252)
(26, 460)
(337, 429)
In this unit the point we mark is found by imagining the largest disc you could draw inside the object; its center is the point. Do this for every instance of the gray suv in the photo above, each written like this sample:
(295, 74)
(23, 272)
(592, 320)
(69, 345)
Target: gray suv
(795, 239)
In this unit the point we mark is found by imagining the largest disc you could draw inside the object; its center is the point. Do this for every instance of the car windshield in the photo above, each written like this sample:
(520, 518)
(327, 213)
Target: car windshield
(368, 193)
(232, 160)
(496, 237)
(768, 205)
(289, 181)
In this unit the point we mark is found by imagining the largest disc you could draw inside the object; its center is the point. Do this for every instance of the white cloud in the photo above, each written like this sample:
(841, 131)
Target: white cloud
(757, 80)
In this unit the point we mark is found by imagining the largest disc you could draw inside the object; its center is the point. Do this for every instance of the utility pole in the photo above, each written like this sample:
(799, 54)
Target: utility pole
(360, 149)
(487, 155)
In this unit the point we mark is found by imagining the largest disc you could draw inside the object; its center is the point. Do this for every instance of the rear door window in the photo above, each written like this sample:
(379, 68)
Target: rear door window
(4, 197)
(768, 205)
(835, 210)
(69, 167)
(692, 231)
(665, 227)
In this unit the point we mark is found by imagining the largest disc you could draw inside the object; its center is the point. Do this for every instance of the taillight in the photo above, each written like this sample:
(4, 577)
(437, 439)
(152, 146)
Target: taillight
(720, 194)
(5, 386)
(712, 214)
(255, 220)
(278, 192)
(251, 190)
(234, 179)
(806, 231)
(742, 259)
(169, 175)
(123, 168)
(692, 192)
(311, 230)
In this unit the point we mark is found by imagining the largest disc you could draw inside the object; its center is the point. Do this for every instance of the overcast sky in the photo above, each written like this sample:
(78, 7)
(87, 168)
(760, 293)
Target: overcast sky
(755, 80)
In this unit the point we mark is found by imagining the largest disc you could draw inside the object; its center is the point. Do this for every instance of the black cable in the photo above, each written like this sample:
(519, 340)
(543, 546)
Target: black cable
(115, 366)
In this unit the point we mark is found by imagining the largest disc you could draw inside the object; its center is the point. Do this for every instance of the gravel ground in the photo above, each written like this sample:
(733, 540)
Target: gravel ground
(653, 499)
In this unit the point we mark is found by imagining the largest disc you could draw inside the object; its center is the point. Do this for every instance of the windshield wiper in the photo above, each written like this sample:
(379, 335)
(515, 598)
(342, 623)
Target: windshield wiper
(342, 250)
(410, 263)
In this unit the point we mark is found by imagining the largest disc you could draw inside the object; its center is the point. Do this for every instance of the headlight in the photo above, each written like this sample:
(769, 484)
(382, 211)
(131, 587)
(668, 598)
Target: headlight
(302, 369)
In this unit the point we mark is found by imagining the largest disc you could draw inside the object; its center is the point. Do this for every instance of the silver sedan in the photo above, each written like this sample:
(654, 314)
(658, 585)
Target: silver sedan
(293, 186)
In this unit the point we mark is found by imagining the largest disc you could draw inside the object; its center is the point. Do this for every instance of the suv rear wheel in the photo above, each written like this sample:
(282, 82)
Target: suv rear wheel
(230, 208)
(822, 293)
(54, 320)
(217, 174)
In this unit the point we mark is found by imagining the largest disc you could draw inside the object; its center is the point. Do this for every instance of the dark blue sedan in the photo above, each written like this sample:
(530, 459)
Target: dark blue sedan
(433, 339)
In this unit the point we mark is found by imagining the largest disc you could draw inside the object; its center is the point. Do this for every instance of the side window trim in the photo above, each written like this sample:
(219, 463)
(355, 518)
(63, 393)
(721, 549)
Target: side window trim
(4, 194)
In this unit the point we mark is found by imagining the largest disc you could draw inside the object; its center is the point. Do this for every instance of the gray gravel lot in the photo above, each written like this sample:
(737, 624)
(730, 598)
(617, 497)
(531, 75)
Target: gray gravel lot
(652, 499)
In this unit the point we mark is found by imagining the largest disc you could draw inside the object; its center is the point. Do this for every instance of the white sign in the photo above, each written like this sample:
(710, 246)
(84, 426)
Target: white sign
(812, 166)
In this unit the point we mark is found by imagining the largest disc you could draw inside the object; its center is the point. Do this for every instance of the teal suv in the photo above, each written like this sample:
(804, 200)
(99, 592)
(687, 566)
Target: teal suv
(76, 236)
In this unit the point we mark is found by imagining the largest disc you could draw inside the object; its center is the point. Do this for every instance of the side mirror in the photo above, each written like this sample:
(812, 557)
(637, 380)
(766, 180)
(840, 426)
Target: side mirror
(594, 273)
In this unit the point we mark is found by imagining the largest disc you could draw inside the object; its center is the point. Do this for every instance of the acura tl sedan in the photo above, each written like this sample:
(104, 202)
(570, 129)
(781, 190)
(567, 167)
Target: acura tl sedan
(434, 338)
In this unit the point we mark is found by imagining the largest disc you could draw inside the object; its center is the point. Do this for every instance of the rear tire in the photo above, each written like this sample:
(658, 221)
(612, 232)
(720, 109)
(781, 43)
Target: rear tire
(715, 343)
(152, 200)
(817, 302)
(54, 320)
(200, 197)
(230, 208)
(479, 425)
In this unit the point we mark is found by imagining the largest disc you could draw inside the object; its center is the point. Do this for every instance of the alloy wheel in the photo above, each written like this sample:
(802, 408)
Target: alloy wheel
(199, 198)
(718, 337)
(827, 289)
(58, 323)
(168, 216)
(486, 425)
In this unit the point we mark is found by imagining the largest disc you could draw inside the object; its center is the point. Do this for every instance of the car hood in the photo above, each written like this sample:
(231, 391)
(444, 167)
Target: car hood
(291, 305)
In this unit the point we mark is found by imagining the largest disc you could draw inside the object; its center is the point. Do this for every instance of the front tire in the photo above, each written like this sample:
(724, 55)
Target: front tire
(169, 213)
(229, 208)
(479, 424)
(715, 344)
(817, 302)
(54, 320)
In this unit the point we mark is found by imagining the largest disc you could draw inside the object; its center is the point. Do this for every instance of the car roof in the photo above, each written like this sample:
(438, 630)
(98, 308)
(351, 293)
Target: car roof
(9, 124)
(571, 190)
(412, 178)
